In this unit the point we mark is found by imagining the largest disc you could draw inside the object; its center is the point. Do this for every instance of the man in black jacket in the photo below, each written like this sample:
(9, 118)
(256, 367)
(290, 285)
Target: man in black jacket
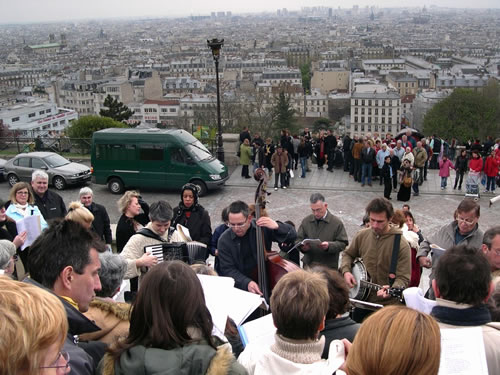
(101, 224)
(237, 245)
(65, 260)
(51, 204)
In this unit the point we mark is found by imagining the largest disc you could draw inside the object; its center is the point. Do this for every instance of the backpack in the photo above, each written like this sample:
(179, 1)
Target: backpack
(407, 181)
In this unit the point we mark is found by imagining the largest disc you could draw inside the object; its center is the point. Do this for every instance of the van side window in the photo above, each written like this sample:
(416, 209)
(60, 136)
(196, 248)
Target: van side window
(178, 155)
(115, 152)
(151, 152)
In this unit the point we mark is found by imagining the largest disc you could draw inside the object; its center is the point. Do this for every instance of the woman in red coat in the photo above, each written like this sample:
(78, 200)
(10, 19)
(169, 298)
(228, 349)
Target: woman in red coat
(491, 170)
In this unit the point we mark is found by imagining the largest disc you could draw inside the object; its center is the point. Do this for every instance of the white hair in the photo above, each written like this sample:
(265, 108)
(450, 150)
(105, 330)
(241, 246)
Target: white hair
(39, 174)
(86, 191)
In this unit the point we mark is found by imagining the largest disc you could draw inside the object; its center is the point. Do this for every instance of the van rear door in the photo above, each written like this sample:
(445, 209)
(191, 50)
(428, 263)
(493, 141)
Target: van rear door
(152, 165)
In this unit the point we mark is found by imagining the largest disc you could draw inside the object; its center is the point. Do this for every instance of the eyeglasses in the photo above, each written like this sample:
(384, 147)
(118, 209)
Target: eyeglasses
(466, 221)
(62, 356)
(237, 225)
(22, 192)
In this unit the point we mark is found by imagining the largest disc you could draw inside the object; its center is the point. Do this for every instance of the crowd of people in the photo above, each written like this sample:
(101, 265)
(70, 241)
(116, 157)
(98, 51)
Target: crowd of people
(401, 161)
(60, 288)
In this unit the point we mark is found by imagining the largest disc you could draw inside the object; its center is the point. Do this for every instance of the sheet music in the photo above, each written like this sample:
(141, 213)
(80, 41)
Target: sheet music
(259, 331)
(33, 228)
(462, 352)
(414, 299)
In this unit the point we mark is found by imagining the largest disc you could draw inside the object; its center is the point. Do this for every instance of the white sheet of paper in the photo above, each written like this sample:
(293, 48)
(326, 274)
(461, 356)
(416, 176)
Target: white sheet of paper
(414, 299)
(216, 290)
(30, 224)
(259, 331)
(243, 304)
(462, 352)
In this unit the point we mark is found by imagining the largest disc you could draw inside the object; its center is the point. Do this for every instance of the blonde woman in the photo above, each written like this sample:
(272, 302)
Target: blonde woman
(77, 212)
(396, 340)
(22, 204)
(34, 327)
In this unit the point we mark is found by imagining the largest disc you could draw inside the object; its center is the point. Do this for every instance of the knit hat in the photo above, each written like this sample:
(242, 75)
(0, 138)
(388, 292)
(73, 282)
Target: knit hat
(7, 250)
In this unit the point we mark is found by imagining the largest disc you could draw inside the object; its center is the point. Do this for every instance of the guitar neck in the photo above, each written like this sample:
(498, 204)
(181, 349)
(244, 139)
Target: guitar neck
(393, 292)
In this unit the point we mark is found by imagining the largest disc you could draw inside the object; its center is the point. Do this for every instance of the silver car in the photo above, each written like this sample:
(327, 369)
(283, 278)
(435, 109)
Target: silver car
(61, 171)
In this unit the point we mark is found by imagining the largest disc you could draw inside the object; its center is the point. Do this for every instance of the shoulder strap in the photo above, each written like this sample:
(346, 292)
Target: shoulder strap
(146, 232)
(394, 259)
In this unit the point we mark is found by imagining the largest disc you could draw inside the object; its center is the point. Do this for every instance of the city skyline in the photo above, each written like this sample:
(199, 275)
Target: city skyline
(34, 11)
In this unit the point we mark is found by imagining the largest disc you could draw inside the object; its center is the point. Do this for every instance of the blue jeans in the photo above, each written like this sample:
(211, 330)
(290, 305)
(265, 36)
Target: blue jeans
(444, 181)
(366, 172)
(490, 181)
(303, 165)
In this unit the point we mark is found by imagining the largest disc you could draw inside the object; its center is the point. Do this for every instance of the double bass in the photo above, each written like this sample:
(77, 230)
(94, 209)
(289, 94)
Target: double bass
(270, 266)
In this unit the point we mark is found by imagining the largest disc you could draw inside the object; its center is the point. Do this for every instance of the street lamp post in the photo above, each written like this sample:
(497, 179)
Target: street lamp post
(216, 45)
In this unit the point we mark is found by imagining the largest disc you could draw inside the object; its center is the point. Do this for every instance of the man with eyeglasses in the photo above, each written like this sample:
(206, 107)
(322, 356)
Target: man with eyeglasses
(491, 248)
(238, 244)
(464, 230)
(328, 228)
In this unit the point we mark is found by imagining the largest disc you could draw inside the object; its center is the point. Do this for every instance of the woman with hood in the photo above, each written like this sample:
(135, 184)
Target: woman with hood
(190, 214)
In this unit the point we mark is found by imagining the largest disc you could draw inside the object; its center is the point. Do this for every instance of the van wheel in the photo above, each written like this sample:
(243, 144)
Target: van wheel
(59, 183)
(202, 188)
(115, 185)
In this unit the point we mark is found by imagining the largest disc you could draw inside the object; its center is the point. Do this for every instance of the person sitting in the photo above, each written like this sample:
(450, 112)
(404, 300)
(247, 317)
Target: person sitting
(7, 252)
(462, 285)
(170, 329)
(112, 317)
(396, 340)
(297, 348)
(80, 214)
(156, 232)
(338, 324)
(34, 328)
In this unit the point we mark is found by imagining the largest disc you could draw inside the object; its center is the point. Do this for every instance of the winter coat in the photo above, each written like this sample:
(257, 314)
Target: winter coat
(381, 154)
(408, 156)
(461, 164)
(112, 317)
(476, 164)
(368, 155)
(16, 214)
(199, 225)
(376, 252)
(245, 154)
(134, 249)
(329, 229)
(356, 150)
(125, 227)
(444, 168)
(420, 157)
(51, 205)
(101, 224)
(491, 166)
(196, 358)
(279, 162)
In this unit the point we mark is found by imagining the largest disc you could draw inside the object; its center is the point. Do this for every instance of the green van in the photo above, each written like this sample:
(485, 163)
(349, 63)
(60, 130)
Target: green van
(153, 158)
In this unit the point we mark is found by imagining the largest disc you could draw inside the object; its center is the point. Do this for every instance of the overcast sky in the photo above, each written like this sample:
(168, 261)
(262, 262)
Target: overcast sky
(12, 11)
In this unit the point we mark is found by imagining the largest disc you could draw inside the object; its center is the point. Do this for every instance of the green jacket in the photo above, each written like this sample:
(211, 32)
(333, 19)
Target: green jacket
(245, 154)
(197, 358)
(330, 229)
(420, 157)
(376, 252)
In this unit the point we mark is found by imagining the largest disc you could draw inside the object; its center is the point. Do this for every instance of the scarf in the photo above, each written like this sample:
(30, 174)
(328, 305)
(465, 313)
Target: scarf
(23, 209)
(298, 351)
(471, 316)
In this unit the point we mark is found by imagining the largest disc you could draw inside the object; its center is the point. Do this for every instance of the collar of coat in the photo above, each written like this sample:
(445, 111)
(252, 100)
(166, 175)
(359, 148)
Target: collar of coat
(461, 315)
(326, 218)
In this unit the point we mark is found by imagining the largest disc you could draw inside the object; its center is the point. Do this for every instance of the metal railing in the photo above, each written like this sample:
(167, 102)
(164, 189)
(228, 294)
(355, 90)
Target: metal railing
(16, 145)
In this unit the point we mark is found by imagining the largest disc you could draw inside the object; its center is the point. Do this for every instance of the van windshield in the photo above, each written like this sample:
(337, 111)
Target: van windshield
(198, 152)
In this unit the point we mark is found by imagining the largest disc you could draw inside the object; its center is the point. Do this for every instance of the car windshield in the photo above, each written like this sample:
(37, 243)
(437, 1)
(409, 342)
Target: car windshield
(198, 152)
(54, 161)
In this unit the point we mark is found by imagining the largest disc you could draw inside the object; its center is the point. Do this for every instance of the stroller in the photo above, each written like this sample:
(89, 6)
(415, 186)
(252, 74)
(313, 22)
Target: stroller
(472, 185)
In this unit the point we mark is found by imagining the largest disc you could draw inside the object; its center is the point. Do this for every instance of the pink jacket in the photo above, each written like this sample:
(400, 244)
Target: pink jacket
(444, 168)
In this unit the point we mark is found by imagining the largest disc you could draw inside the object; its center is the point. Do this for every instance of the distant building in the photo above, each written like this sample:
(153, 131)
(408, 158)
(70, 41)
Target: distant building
(403, 82)
(37, 118)
(160, 111)
(327, 80)
(383, 64)
(374, 111)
